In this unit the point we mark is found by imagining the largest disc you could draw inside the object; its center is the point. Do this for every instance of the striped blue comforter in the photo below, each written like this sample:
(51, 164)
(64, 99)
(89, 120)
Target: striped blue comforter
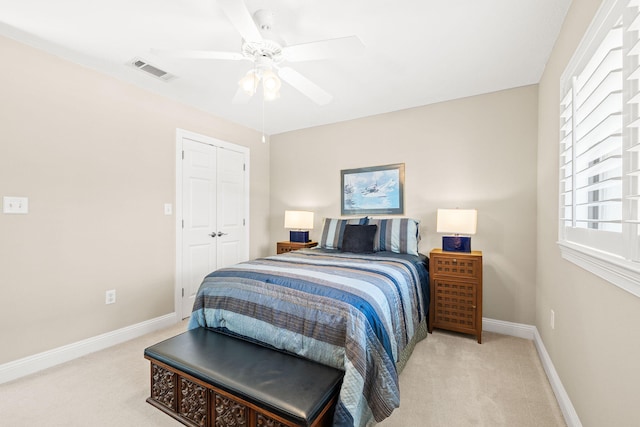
(350, 311)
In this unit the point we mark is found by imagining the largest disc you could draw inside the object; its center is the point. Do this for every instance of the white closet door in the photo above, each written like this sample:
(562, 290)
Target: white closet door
(230, 207)
(199, 233)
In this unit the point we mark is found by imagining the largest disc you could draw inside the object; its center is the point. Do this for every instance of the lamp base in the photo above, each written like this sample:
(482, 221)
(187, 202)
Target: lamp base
(299, 236)
(456, 244)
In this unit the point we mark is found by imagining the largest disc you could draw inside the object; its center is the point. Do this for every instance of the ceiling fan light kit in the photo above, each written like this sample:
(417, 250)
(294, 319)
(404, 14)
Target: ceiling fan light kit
(270, 83)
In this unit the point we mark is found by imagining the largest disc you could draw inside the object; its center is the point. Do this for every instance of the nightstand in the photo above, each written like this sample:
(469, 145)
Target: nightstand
(456, 291)
(284, 247)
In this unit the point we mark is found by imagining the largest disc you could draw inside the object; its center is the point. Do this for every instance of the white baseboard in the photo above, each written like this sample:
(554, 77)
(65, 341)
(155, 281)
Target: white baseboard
(519, 330)
(530, 332)
(568, 411)
(30, 364)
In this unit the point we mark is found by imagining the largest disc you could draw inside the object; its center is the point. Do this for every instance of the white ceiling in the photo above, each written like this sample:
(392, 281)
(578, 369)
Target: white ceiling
(417, 52)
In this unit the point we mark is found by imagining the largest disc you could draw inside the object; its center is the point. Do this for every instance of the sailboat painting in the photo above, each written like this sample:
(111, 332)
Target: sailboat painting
(373, 190)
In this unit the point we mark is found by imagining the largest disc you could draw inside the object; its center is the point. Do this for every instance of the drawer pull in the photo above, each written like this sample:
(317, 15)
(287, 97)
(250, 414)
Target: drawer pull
(455, 261)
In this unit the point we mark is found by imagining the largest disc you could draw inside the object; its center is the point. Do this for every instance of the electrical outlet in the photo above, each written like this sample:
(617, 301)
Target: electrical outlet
(110, 297)
(552, 320)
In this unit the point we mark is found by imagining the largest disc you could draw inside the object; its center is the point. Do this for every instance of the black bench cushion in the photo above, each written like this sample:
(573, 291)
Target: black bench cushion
(290, 386)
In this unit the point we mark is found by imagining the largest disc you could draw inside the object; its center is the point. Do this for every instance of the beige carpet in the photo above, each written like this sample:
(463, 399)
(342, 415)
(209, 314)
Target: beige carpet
(449, 381)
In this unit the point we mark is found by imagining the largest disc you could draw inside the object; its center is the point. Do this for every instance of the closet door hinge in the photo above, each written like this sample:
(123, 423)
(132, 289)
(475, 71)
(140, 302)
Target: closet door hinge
(183, 223)
(182, 292)
(182, 154)
(243, 222)
(244, 166)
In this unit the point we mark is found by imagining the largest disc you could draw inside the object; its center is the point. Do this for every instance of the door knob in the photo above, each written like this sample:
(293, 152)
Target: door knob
(220, 234)
(213, 234)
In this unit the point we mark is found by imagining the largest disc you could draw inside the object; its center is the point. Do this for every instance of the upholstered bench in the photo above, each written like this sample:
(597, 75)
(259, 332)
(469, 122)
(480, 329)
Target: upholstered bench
(205, 378)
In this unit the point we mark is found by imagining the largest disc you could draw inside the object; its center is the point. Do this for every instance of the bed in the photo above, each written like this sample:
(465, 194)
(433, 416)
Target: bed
(358, 310)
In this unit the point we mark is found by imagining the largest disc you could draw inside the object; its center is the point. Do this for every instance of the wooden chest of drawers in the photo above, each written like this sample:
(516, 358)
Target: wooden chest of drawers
(456, 291)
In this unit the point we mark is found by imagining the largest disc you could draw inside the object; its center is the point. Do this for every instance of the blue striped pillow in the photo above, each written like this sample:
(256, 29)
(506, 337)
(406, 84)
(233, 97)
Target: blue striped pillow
(333, 231)
(399, 235)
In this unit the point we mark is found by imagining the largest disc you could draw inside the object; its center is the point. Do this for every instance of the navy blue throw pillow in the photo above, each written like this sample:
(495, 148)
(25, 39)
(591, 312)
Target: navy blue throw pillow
(359, 238)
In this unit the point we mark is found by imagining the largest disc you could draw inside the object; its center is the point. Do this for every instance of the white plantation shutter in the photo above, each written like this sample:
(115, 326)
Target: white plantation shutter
(599, 144)
(631, 156)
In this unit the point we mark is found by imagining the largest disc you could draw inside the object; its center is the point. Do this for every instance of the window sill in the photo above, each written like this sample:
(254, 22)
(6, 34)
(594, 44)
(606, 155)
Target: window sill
(620, 272)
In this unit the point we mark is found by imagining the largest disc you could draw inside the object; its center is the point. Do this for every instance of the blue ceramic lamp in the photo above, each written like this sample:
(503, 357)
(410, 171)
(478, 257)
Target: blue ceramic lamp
(301, 222)
(457, 223)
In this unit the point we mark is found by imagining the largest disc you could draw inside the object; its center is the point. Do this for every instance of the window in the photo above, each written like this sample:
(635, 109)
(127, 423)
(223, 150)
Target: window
(599, 148)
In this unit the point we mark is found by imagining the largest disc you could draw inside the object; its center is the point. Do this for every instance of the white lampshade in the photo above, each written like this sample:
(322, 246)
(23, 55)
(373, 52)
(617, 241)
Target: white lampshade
(457, 221)
(300, 220)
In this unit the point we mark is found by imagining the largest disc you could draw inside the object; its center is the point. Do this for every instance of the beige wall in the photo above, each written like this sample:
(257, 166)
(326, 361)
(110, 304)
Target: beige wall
(477, 152)
(95, 156)
(595, 346)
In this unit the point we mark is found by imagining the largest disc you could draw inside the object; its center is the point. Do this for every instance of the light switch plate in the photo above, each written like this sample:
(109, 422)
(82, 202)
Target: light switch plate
(168, 209)
(15, 205)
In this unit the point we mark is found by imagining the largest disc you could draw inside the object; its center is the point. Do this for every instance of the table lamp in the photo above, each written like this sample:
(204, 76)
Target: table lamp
(301, 222)
(457, 222)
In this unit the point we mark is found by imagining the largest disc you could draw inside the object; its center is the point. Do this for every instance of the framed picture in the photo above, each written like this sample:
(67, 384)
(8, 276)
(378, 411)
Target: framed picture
(373, 190)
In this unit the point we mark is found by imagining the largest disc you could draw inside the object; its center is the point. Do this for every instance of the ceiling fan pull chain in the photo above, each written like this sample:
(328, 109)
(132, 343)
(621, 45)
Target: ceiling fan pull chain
(263, 138)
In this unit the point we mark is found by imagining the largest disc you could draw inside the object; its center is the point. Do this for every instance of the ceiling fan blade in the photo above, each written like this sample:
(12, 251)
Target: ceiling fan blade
(197, 54)
(305, 86)
(238, 14)
(323, 49)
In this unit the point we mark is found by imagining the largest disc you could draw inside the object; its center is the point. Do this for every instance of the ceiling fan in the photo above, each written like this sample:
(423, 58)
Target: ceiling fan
(267, 52)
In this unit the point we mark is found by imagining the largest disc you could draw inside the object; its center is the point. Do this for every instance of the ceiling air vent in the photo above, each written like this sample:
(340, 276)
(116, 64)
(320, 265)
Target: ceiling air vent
(154, 71)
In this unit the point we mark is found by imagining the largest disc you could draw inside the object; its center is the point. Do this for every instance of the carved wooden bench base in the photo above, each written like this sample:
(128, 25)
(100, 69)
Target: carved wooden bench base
(198, 403)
